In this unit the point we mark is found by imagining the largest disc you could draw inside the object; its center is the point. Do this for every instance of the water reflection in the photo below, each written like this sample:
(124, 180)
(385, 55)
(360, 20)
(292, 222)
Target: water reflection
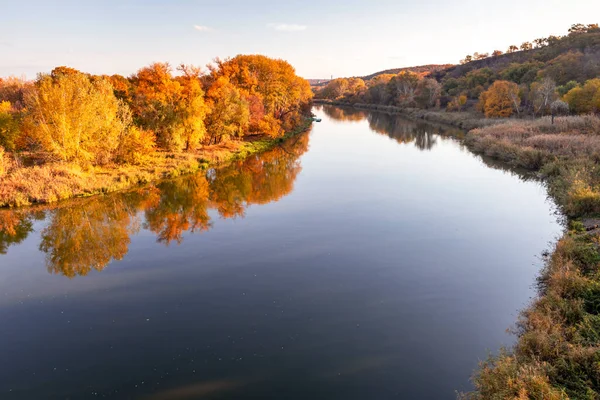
(14, 228)
(422, 134)
(88, 234)
(344, 114)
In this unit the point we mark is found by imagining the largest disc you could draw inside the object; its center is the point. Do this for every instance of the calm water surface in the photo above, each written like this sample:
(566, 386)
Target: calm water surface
(372, 258)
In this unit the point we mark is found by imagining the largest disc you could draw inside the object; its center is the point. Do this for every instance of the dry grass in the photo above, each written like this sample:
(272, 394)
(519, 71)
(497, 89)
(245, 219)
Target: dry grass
(58, 181)
(566, 152)
(557, 355)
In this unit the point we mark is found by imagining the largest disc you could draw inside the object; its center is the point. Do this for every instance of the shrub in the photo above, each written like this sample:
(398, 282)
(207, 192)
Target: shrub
(136, 145)
(583, 199)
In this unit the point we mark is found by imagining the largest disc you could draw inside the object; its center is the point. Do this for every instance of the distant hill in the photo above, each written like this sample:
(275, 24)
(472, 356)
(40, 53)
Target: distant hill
(572, 57)
(421, 70)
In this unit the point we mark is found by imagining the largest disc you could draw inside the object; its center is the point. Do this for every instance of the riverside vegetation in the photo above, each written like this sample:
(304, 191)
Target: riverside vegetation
(71, 134)
(514, 104)
(516, 107)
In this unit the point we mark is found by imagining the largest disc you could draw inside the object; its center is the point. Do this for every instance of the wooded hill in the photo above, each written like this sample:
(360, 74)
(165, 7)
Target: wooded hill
(526, 79)
(422, 70)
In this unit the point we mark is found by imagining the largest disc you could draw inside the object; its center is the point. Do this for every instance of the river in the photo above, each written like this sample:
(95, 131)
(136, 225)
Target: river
(371, 258)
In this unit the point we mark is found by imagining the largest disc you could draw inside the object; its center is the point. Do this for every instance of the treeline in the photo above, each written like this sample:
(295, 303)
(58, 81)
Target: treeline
(71, 116)
(555, 75)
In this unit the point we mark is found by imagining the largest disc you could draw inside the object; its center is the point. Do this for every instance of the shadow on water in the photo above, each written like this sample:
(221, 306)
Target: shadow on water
(87, 234)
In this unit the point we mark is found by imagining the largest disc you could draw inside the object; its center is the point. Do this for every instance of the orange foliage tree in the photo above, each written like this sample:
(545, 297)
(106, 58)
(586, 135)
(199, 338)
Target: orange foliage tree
(272, 81)
(500, 100)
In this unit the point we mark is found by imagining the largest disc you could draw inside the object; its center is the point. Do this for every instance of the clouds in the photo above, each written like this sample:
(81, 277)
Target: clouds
(202, 28)
(287, 27)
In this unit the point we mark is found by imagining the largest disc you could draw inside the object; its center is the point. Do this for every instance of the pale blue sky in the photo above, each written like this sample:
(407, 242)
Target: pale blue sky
(320, 38)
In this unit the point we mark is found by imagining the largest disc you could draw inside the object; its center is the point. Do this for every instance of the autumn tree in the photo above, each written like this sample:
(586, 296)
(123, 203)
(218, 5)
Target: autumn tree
(585, 98)
(428, 92)
(72, 118)
(500, 100)
(542, 95)
(9, 126)
(284, 94)
(335, 89)
(404, 87)
(376, 89)
(229, 114)
(468, 58)
(155, 103)
(457, 103)
(191, 108)
(564, 89)
(121, 86)
(13, 90)
(541, 42)
(497, 53)
(512, 48)
(526, 46)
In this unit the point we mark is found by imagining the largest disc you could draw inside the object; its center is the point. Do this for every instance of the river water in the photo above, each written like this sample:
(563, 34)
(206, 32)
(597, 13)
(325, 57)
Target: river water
(371, 258)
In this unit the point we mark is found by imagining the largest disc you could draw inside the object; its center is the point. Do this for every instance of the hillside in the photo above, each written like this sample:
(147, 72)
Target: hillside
(526, 80)
(422, 70)
(572, 57)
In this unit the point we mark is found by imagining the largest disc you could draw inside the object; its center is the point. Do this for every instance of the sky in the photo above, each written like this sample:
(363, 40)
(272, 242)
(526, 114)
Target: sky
(319, 38)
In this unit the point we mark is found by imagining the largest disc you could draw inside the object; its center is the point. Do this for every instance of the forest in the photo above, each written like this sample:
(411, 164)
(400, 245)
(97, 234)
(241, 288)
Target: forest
(553, 75)
(71, 127)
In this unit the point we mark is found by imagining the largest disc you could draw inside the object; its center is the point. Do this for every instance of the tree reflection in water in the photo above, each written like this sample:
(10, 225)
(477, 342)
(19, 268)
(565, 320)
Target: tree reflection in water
(87, 234)
(422, 134)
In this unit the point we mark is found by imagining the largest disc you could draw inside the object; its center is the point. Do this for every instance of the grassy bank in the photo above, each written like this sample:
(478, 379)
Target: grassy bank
(25, 185)
(557, 355)
(460, 119)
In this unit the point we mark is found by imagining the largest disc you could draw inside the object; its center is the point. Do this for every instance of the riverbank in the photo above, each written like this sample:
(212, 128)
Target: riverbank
(52, 182)
(460, 119)
(557, 355)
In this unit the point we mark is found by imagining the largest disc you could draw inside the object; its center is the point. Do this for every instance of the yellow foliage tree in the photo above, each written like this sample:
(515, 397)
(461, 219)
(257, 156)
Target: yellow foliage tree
(191, 111)
(584, 99)
(9, 126)
(500, 100)
(74, 119)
